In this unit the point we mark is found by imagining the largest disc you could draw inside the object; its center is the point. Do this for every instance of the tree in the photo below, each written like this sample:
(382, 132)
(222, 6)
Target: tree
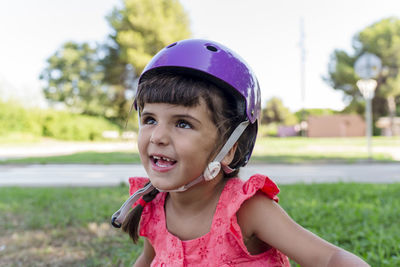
(74, 76)
(383, 39)
(140, 29)
(100, 80)
(143, 27)
(276, 112)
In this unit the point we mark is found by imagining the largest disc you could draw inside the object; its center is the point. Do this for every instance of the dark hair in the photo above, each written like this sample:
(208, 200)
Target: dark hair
(188, 90)
(131, 222)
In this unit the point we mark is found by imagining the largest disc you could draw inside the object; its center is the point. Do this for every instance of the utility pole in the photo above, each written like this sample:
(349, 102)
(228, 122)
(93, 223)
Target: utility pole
(302, 76)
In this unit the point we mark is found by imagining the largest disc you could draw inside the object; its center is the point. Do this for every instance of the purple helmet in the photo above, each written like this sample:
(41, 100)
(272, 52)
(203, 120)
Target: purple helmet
(215, 63)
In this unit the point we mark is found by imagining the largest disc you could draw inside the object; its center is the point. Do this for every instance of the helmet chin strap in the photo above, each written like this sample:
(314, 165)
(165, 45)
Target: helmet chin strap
(209, 173)
(119, 216)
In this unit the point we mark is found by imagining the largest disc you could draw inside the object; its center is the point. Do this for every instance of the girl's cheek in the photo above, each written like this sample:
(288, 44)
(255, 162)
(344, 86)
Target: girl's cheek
(141, 140)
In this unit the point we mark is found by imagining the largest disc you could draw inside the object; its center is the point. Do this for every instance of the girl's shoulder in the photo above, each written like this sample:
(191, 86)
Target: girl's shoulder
(238, 191)
(247, 189)
(256, 210)
(136, 183)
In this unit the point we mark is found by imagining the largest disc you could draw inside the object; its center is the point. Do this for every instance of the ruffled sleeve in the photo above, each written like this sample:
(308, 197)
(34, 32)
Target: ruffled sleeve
(261, 182)
(135, 183)
(270, 189)
(237, 191)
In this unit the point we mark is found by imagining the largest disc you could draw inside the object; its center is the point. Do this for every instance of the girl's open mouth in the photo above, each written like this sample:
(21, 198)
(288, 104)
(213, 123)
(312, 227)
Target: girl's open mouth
(161, 163)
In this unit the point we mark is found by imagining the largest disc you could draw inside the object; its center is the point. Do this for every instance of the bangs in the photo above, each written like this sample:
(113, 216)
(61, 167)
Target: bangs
(172, 89)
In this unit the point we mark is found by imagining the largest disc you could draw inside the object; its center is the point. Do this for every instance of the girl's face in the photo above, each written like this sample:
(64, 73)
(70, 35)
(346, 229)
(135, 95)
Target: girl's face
(175, 143)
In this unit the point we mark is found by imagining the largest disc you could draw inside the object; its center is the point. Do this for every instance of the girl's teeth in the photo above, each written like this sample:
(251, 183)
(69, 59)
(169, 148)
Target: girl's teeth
(163, 162)
(165, 159)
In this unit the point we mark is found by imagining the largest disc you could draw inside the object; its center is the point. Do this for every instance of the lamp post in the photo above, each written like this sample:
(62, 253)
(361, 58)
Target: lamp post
(367, 67)
(367, 88)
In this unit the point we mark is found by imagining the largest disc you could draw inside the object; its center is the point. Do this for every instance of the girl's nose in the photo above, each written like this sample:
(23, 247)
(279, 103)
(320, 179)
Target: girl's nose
(159, 135)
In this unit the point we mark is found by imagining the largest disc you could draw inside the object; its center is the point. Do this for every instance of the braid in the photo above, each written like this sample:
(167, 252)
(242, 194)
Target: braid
(131, 223)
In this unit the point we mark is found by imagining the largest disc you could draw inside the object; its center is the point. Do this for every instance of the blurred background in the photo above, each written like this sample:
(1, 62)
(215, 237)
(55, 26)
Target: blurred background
(68, 62)
(68, 74)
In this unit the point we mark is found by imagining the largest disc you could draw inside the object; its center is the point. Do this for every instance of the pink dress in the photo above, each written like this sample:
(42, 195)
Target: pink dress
(223, 245)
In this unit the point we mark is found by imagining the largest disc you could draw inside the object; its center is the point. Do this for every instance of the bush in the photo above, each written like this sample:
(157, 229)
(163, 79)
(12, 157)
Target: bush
(16, 119)
(51, 123)
(270, 129)
(67, 126)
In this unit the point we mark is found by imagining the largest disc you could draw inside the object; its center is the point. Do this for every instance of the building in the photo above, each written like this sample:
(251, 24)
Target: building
(339, 125)
(384, 124)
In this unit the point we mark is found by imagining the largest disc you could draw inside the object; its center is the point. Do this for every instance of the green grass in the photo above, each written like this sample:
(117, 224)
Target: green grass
(81, 158)
(63, 227)
(362, 218)
(133, 158)
(304, 158)
(70, 226)
(315, 150)
(333, 141)
(267, 150)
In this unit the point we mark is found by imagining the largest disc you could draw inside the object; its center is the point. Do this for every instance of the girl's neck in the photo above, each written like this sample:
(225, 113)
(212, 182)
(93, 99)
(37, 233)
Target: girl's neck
(198, 197)
(189, 214)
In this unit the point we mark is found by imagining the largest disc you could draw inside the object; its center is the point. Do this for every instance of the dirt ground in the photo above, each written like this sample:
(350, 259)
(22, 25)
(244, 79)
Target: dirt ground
(55, 247)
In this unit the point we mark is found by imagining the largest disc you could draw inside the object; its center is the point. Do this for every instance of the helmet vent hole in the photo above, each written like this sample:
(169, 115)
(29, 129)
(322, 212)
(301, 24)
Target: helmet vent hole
(212, 48)
(171, 45)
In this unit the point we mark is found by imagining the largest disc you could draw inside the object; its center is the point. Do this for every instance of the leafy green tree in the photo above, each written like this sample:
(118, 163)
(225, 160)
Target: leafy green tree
(100, 80)
(140, 29)
(276, 112)
(383, 39)
(74, 76)
(143, 27)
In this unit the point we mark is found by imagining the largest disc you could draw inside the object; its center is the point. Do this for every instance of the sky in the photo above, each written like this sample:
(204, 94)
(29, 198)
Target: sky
(265, 33)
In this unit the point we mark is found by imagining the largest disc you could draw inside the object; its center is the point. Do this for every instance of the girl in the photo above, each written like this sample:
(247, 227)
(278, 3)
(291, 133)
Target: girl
(198, 104)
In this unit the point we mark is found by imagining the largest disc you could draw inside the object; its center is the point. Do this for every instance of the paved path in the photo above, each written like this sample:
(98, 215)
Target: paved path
(108, 175)
(57, 148)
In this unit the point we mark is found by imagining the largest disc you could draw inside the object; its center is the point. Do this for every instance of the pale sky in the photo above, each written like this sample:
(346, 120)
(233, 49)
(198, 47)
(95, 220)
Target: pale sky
(265, 33)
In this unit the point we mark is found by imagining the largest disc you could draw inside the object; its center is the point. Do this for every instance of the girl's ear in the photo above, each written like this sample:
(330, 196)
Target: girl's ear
(229, 157)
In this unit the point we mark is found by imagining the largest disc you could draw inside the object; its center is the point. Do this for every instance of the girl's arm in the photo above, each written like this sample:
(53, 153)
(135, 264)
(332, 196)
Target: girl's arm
(264, 218)
(147, 256)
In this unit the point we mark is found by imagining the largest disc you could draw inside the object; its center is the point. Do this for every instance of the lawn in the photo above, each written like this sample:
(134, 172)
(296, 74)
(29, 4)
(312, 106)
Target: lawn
(305, 150)
(89, 157)
(267, 150)
(70, 226)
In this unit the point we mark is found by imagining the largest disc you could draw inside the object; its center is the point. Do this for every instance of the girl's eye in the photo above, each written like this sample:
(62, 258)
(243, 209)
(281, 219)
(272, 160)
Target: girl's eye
(183, 124)
(148, 120)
